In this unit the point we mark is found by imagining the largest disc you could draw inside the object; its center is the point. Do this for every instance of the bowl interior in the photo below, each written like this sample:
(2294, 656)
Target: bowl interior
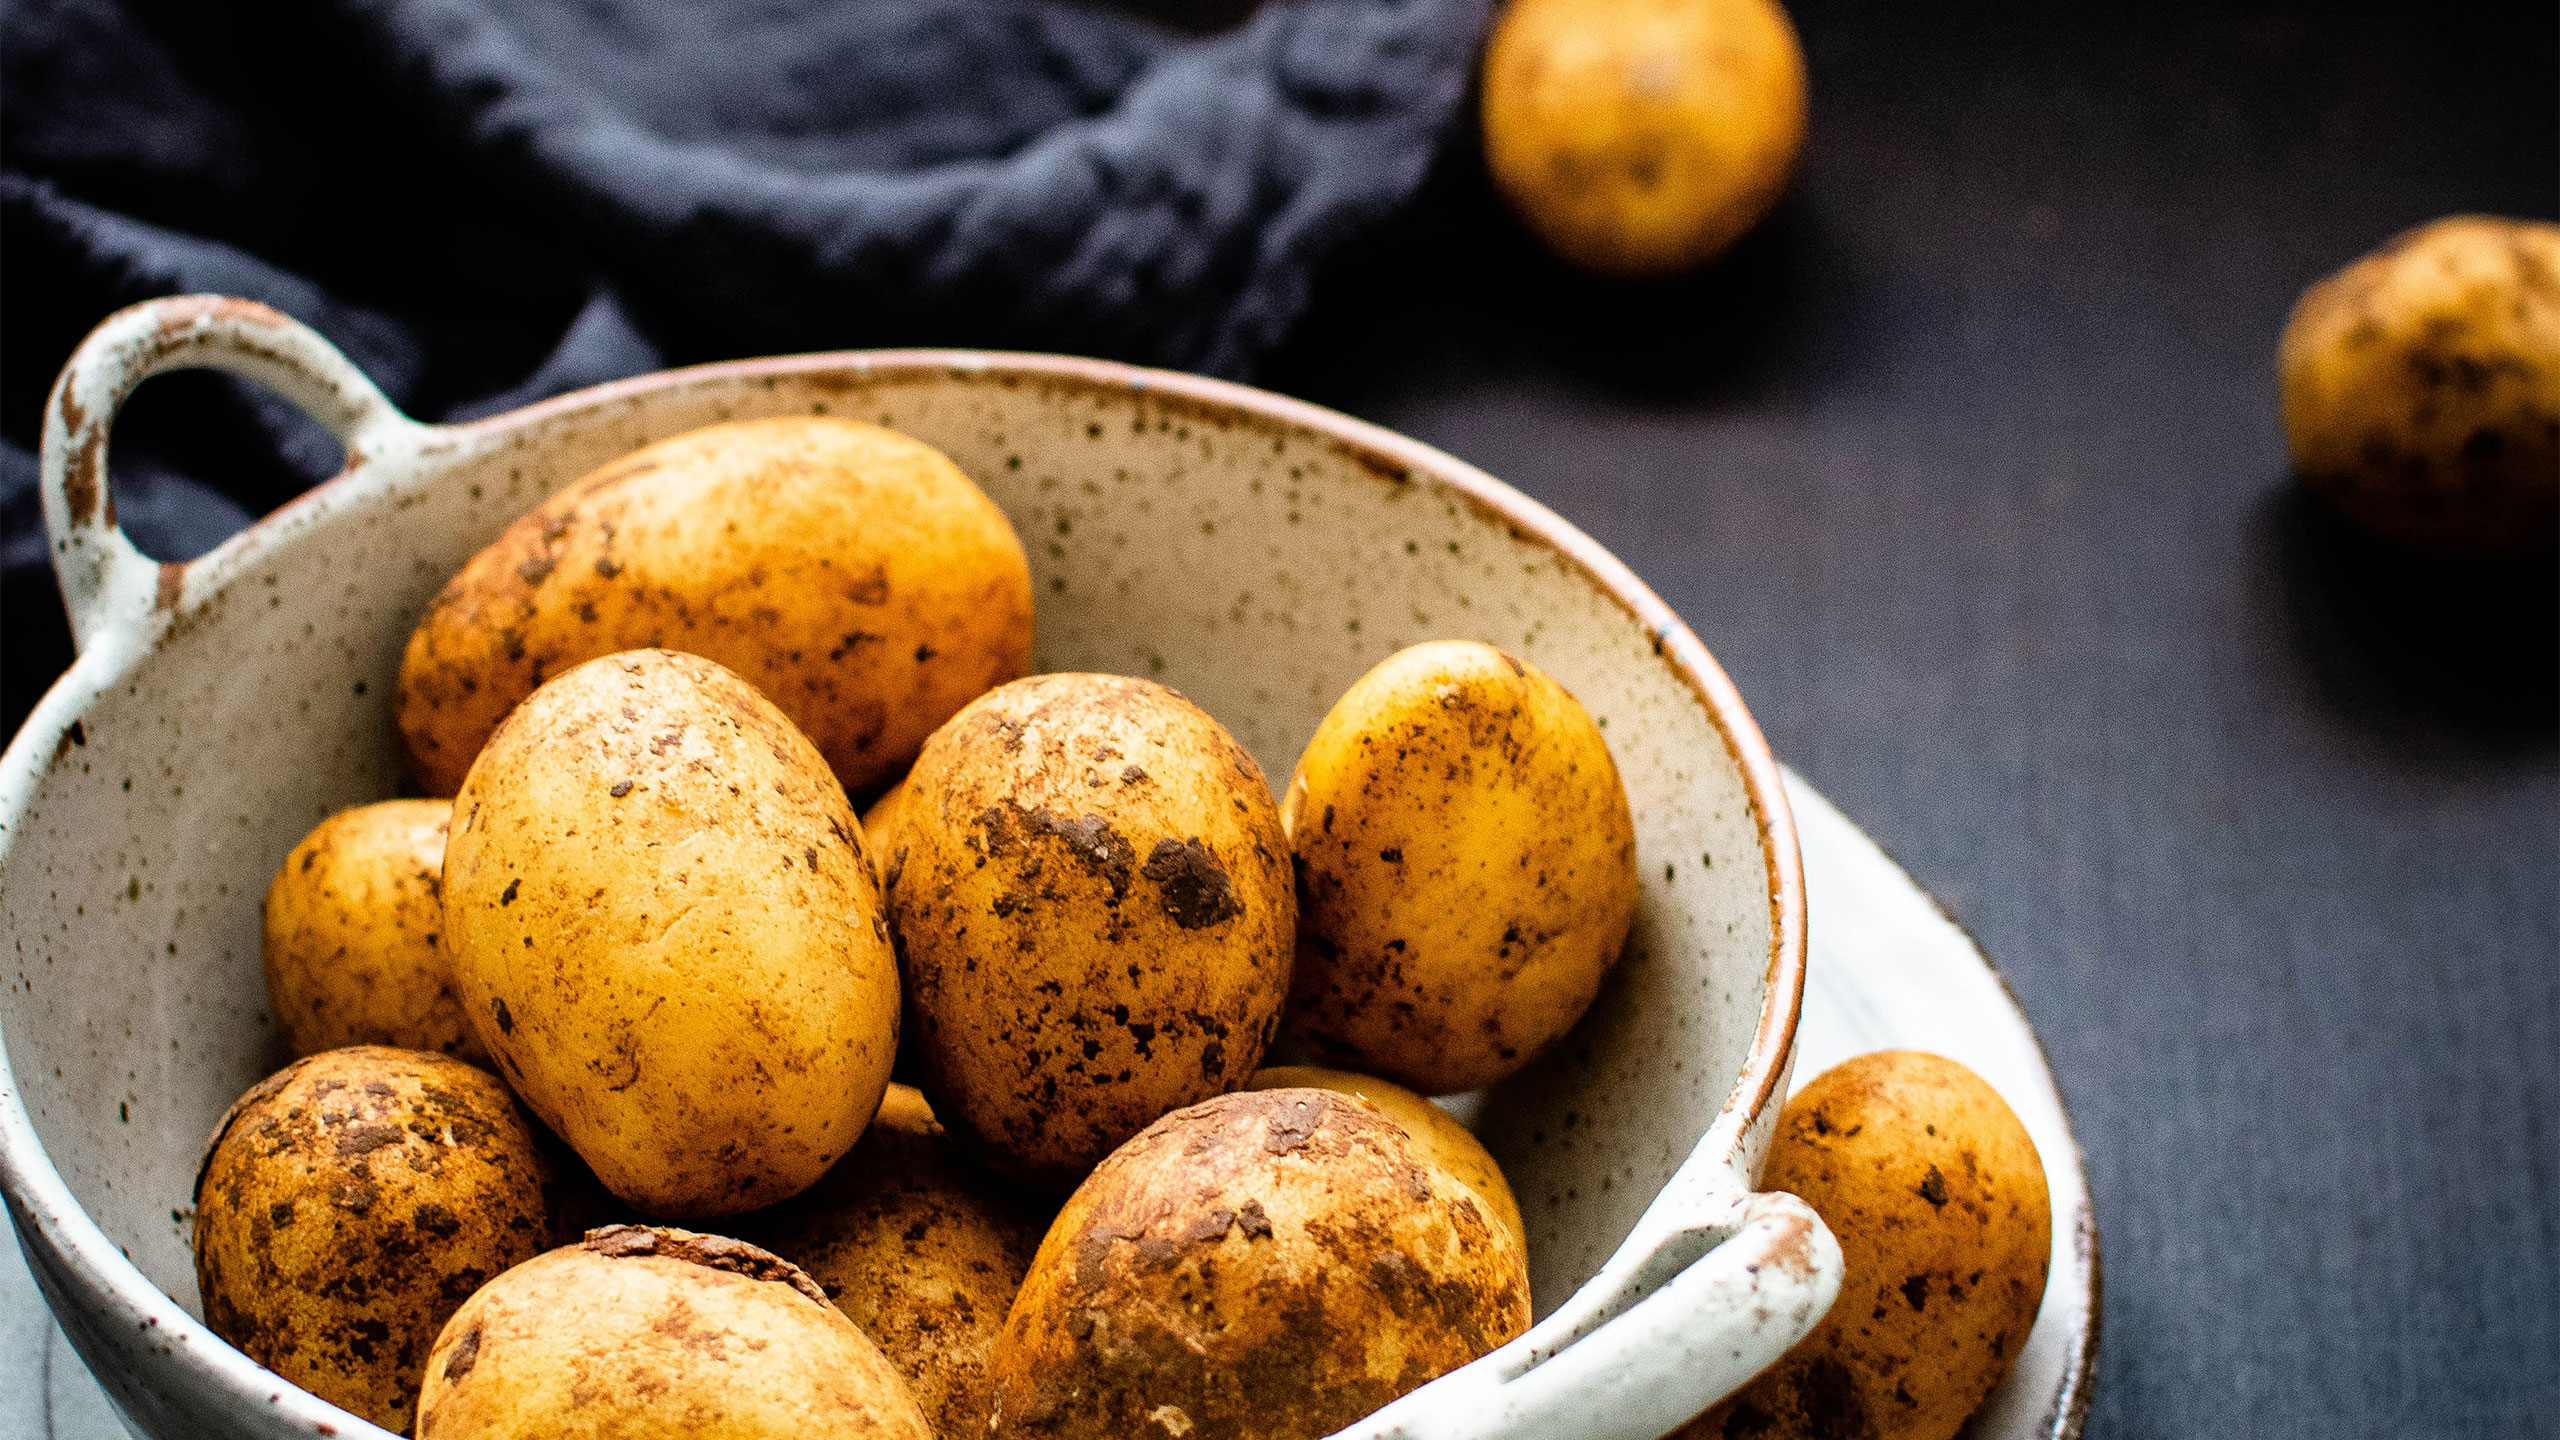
(1258, 556)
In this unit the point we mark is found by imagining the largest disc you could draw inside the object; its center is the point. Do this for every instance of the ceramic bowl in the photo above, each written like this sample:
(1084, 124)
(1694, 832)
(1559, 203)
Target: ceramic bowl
(1257, 553)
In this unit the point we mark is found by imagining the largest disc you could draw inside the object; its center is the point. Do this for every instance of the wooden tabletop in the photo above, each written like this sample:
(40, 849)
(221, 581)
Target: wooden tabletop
(1967, 467)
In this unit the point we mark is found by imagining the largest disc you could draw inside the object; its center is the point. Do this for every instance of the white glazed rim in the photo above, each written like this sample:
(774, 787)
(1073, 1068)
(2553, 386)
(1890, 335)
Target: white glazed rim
(51, 1220)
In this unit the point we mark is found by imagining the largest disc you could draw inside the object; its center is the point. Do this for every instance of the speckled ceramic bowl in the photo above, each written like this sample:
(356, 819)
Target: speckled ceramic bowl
(1255, 552)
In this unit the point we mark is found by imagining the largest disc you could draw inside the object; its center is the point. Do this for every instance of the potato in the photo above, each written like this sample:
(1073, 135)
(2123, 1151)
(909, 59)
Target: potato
(1466, 869)
(1938, 1199)
(2421, 387)
(880, 839)
(880, 831)
(919, 1248)
(855, 576)
(1642, 137)
(1436, 1133)
(1264, 1266)
(349, 1202)
(640, 1332)
(1093, 914)
(664, 927)
(354, 935)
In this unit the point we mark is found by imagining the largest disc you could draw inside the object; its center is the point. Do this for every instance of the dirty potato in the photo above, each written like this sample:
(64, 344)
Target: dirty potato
(2421, 387)
(1938, 1199)
(646, 1333)
(880, 830)
(854, 575)
(349, 1202)
(354, 935)
(1642, 137)
(1436, 1132)
(921, 1249)
(1466, 869)
(880, 840)
(664, 927)
(1270, 1265)
(1093, 913)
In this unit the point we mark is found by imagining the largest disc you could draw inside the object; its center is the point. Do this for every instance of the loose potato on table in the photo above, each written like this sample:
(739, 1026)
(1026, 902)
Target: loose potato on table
(854, 575)
(1093, 915)
(665, 929)
(1270, 1265)
(645, 1333)
(1938, 1199)
(354, 935)
(1436, 1133)
(1642, 137)
(350, 1202)
(1466, 869)
(2421, 387)
(921, 1249)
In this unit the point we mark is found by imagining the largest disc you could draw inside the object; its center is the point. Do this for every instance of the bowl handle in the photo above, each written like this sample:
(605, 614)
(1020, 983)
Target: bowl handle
(1710, 1290)
(107, 584)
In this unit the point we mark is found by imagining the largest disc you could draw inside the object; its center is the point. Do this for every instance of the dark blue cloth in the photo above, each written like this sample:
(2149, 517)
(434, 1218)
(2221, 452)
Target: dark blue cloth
(488, 201)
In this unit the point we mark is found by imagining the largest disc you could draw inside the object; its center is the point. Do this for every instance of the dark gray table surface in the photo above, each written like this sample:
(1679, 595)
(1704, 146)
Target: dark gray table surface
(1968, 469)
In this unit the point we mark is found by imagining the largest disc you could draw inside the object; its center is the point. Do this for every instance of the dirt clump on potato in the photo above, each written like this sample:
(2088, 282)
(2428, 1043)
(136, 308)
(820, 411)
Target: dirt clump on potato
(1092, 908)
(1642, 137)
(2421, 387)
(353, 935)
(647, 1332)
(1269, 1265)
(919, 1247)
(852, 574)
(664, 927)
(1465, 863)
(1938, 1199)
(350, 1202)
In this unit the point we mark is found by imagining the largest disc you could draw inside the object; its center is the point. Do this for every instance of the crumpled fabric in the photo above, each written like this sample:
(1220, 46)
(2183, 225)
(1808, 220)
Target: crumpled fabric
(486, 202)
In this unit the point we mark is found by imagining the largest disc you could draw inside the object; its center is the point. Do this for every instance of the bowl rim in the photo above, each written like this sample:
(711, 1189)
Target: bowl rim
(53, 1224)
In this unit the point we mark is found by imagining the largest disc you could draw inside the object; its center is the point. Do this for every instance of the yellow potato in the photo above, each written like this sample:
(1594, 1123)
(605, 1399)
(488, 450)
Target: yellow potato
(1436, 1132)
(1642, 137)
(1093, 915)
(921, 1249)
(880, 831)
(880, 839)
(641, 1333)
(2421, 387)
(1938, 1199)
(1271, 1265)
(664, 927)
(354, 935)
(1466, 868)
(349, 1202)
(853, 575)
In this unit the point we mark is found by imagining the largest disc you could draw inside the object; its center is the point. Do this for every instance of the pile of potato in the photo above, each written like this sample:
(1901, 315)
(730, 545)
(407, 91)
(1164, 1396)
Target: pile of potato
(1074, 916)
